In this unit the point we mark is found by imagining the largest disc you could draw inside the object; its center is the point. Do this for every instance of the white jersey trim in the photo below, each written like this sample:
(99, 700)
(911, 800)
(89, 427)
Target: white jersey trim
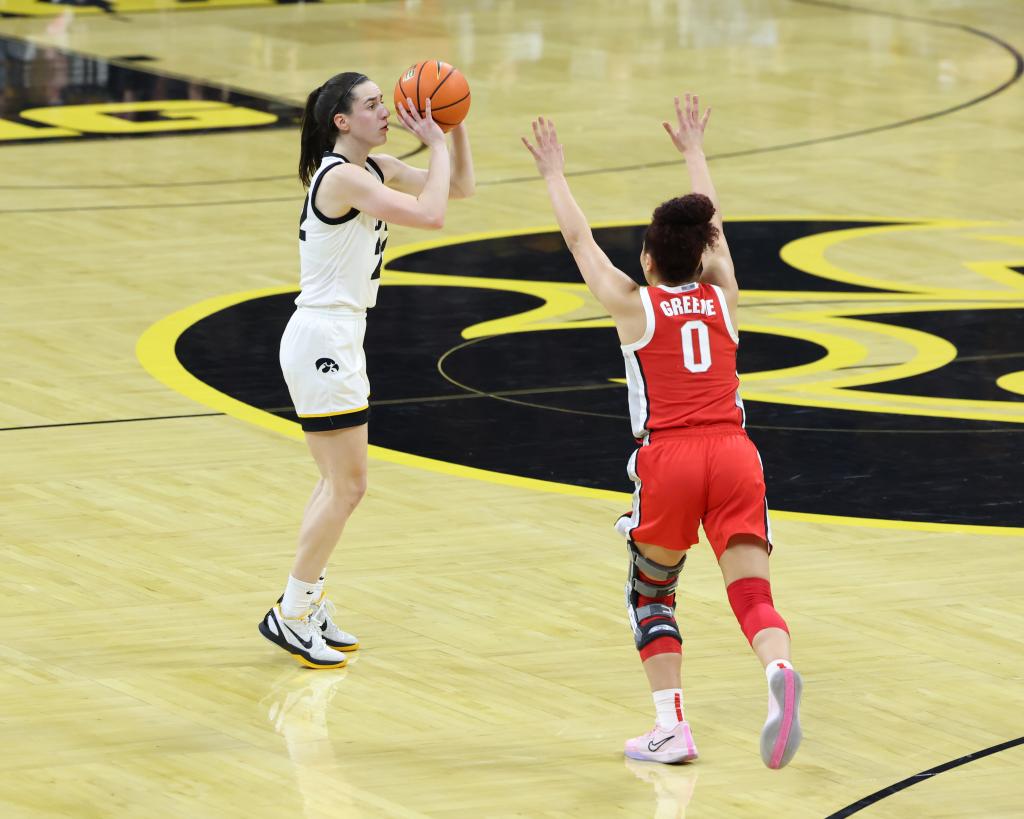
(645, 339)
(627, 523)
(679, 288)
(726, 314)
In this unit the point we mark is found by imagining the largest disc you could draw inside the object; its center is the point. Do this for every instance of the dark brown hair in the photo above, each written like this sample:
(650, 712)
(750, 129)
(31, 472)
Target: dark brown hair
(679, 232)
(318, 129)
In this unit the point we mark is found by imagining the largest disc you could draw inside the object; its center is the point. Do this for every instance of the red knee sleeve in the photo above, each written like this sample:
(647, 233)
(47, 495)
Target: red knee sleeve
(663, 645)
(751, 601)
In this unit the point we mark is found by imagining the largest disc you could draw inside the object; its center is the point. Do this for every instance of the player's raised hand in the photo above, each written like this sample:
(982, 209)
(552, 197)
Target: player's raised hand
(548, 153)
(423, 128)
(689, 135)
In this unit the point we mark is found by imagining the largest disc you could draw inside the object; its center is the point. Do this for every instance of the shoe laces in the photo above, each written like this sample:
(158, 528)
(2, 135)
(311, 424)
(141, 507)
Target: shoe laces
(315, 634)
(323, 610)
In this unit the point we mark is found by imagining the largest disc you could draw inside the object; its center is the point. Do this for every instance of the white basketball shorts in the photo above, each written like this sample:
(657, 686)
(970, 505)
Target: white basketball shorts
(324, 367)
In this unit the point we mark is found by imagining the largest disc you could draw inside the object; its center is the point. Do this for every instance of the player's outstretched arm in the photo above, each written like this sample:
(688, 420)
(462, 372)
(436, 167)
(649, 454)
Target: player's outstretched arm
(610, 286)
(688, 138)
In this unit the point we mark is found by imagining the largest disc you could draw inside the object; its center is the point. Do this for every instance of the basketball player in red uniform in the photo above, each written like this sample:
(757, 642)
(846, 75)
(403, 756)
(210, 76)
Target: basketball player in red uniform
(694, 463)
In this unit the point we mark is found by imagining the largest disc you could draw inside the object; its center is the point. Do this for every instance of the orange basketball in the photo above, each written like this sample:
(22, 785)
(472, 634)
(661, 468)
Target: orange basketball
(443, 84)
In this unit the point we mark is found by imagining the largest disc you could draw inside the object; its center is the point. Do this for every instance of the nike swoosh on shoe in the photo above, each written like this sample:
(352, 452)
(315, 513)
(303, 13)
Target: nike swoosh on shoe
(306, 644)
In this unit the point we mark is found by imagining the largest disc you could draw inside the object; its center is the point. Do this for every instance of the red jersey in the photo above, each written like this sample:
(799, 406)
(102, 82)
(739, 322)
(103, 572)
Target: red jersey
(682, 373)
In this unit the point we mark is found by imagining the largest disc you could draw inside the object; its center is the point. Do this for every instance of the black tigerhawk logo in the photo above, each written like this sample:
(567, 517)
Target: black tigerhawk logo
(326, 365)
(819, 358)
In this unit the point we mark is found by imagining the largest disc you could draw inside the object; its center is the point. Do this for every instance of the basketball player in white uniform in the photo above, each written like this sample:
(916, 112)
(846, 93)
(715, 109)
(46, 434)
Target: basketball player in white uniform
(342, 235)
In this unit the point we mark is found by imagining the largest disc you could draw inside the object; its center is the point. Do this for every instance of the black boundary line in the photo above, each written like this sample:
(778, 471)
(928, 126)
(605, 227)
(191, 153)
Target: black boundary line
(112, 421)
(1013, 52)
(89, 208)
(463, 396)
(877, 796)
(499, 395)
(244, 181)
(277, 410)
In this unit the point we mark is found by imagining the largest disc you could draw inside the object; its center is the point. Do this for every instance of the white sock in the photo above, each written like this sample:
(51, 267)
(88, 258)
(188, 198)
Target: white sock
(298, 597)
(770, 670)
(320, 584)
(669, 706)
(774, 667)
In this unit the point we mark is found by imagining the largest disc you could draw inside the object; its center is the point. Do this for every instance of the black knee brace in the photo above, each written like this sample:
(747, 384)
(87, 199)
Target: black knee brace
(655, 619)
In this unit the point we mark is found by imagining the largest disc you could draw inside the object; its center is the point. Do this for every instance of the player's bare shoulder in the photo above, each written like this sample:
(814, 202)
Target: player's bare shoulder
(630, 316)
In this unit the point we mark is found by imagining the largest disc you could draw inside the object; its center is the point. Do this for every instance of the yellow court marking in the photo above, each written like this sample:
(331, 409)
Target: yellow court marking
(1012, 382)
(155, 351)
(332, 414)
(831, 392)
(809, 254)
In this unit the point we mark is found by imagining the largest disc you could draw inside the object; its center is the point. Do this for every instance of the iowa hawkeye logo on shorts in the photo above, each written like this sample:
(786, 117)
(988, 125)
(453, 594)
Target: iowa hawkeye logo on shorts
(326, 365)
(118, 98)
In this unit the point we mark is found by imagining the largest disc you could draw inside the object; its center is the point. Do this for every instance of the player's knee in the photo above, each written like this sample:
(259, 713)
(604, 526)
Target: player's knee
(650, 603)
(751, 601)
(346, 492)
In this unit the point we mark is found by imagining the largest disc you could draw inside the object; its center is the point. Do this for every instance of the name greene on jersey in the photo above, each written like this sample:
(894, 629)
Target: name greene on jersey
(682, 372)
(688, 305)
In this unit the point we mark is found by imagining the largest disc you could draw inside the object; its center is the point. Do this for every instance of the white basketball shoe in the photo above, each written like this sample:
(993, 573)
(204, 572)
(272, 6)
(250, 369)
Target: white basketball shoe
(302, 638)
(659, 745)
(333, 636)
(781, 734)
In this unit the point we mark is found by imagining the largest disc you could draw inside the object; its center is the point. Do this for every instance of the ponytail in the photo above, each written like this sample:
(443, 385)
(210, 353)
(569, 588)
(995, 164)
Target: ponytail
(318, 131)
(310, 140)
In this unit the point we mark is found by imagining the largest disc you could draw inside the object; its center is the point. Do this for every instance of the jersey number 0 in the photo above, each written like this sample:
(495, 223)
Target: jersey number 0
(698, 329)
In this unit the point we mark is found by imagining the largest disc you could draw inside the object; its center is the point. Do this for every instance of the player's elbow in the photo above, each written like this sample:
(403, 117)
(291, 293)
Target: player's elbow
(575, 240)
(434, 221)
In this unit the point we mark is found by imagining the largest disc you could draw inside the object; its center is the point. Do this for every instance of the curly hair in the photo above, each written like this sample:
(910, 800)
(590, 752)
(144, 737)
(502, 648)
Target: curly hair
(678, 235)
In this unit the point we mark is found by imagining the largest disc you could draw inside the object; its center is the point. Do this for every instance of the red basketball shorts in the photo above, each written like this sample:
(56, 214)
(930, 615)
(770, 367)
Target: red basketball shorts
(685, 477)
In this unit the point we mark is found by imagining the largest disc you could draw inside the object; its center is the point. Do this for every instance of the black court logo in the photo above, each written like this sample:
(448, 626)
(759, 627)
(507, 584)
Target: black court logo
(483, 364)
(326, 365)
(121, 98)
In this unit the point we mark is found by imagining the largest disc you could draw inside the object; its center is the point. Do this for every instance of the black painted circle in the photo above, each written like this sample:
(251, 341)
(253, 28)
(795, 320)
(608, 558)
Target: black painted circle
(542, 404)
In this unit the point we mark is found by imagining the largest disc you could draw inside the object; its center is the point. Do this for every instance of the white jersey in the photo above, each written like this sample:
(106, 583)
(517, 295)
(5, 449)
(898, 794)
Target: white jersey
(340, 258)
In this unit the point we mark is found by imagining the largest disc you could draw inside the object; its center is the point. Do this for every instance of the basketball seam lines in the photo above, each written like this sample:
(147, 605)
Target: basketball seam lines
(450, 104)
(436, 87)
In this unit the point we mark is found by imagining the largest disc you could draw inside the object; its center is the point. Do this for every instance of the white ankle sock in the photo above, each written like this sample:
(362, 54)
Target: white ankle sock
(770, 670)
(775, 666)
(298, 597)
(320, 585)
(669, 706)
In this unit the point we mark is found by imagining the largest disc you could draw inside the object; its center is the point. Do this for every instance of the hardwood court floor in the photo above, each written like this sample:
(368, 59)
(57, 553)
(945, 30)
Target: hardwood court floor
(145, 532)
